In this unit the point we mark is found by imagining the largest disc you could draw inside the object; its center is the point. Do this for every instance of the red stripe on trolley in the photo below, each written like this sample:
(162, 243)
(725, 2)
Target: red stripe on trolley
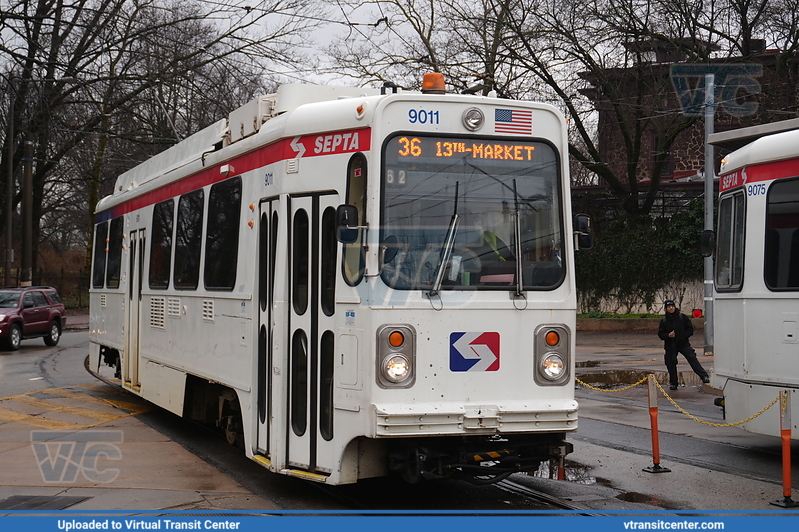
(292, 148)
(759, 172)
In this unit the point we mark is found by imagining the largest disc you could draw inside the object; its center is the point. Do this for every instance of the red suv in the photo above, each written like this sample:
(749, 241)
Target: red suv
(30, 312)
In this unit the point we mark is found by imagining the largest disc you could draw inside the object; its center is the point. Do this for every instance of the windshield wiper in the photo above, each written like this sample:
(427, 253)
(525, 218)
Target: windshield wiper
(517, 230)
(446, 251)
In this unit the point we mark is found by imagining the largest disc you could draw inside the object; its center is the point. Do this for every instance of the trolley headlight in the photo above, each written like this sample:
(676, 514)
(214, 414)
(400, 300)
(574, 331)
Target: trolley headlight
(396, 356)
(473, 119)
(552, 355)
(553, 367)
(397, 368)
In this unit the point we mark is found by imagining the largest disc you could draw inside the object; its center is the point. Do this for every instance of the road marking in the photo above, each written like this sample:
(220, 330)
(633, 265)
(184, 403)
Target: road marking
(37, 421)
(136, 408)
(41, 419)
(52, 406)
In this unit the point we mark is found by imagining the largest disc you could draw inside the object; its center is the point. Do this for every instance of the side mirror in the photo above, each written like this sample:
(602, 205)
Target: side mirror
(347, 224)
(584, 233)
(707, 243)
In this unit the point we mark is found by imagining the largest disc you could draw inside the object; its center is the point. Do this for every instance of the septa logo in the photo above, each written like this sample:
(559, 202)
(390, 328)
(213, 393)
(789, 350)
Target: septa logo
(474, 351)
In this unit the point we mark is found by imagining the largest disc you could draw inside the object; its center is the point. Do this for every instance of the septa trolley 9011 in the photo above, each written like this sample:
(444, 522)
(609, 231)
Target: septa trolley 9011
(756, 325)
(352, 282)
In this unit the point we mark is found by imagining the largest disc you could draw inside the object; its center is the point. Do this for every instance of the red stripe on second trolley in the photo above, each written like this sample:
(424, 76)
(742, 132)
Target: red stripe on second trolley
(759, 172)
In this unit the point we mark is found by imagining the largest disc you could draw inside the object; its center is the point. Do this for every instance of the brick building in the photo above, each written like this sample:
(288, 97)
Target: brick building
(665, 143)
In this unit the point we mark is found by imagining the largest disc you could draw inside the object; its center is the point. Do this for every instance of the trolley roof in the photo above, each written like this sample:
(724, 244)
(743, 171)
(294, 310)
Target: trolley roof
(782, 143)
(738, 138)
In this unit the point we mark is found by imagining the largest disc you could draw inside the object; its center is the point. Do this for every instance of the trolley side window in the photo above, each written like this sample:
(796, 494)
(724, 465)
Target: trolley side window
(188, 240)
(114, 254)
(353, 258)
(781, 266)
(161, 246)
(300, 260)
(100, 251)
(222, 239)
(328, 266)
(730, 253)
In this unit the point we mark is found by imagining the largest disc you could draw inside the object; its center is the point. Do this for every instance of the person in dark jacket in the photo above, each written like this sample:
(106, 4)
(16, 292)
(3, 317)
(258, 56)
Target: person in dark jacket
(675, 329)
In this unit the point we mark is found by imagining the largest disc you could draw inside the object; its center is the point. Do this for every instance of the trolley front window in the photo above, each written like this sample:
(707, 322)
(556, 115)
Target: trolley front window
(460, 212)
(730, 253)
(782, 236)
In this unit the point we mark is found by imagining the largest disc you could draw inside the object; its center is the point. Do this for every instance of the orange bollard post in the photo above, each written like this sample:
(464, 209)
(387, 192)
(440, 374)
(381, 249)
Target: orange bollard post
(785, 434)
(561, 468)
(653, 417)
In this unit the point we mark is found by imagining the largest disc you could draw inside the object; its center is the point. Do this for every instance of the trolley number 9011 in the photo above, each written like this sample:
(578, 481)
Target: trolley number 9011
(423, 117)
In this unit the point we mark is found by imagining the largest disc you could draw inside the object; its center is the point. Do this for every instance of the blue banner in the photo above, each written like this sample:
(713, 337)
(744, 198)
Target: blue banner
(303, 521)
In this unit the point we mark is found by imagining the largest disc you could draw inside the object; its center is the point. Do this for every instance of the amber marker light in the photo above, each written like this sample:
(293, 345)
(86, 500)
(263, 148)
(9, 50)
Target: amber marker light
(552, 338)
(433, 82)
(396, 339)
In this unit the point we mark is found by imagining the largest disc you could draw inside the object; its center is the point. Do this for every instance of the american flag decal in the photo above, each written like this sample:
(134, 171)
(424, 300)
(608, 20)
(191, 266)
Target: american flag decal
(513, 121)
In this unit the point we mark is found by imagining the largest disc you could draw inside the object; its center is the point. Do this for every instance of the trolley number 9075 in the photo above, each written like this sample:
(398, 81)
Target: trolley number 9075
(422, 116)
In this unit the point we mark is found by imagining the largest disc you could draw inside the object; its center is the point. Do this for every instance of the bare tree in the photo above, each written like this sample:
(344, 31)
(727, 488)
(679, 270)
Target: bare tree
(605, 63)
(102, 84)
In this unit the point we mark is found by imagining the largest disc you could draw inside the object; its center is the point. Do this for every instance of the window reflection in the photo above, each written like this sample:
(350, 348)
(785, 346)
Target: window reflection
(188, 240)
(428, 195)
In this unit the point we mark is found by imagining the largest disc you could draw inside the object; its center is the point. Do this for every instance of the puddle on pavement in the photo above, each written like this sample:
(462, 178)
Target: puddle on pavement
(640, 498)
(612, 378)
(574, 472)
(580, 474)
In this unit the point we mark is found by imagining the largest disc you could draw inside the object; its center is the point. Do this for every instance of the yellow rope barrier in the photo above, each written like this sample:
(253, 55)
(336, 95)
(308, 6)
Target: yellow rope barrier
(610, 391)
(708, 423)
(678, 407)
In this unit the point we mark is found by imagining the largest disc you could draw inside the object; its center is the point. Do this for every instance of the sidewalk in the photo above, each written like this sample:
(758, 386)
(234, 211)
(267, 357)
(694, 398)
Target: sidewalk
(616, 352)
(77, 319)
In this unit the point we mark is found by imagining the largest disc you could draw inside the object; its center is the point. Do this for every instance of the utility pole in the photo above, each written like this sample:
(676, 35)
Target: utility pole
(26, 275)
(710, 175)
(10, 186)
(27, 213)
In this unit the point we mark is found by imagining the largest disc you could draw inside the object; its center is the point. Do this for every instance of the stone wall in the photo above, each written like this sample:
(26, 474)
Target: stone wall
(687, 296)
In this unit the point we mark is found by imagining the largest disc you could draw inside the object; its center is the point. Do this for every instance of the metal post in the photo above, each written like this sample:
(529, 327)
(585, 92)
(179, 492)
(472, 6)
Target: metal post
(653, 418)
(26, 275)
(785, 435)
(710, 174)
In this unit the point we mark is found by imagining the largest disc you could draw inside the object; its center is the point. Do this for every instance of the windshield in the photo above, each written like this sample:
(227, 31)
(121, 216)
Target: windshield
(9, 299)
(450, 209)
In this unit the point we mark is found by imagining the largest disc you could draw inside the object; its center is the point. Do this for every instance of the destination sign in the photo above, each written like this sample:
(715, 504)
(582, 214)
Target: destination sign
(475, 149)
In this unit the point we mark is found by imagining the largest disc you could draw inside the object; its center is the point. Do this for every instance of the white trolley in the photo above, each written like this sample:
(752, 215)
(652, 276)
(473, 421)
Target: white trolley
(352, 282)
(756, 295)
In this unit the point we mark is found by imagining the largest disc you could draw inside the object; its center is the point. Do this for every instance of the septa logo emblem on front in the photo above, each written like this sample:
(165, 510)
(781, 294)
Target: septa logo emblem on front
(474, 351)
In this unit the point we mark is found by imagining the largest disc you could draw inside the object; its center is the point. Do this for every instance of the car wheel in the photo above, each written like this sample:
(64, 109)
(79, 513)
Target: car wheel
(55, 333)
(14, 337)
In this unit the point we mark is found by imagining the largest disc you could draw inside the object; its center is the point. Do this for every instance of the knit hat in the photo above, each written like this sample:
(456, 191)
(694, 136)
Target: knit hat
(669, 302)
